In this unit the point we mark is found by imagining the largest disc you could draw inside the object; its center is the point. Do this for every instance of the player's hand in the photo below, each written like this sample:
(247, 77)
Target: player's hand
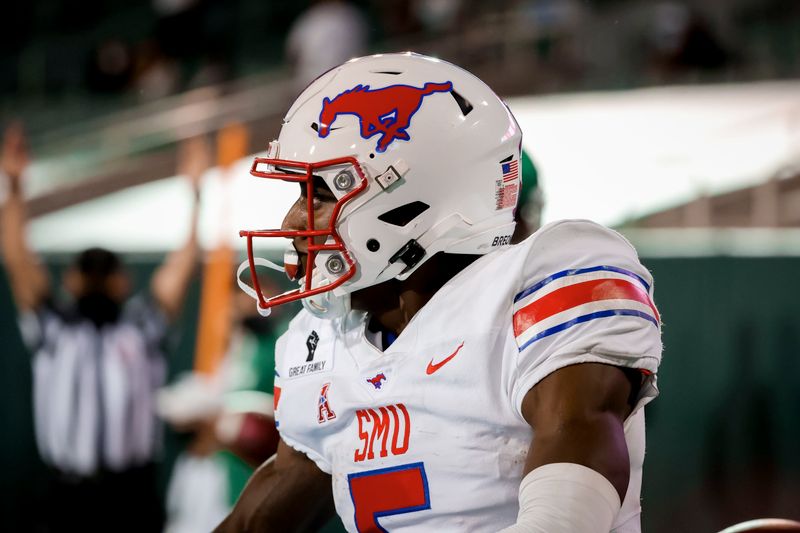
(194, 158)
(14, 156)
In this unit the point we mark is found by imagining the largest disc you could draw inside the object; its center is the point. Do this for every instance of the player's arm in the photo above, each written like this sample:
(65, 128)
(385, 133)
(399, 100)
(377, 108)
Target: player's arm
(28, 278)
(170, 281)
(288, 493)
(577, 469)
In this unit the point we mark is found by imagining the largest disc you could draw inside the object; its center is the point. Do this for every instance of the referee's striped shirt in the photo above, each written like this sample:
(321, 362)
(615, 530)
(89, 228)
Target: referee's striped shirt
(94, 389)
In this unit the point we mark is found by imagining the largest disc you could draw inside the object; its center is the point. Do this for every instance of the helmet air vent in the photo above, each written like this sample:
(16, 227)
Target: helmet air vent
(463, 103)
(315, 127)
(400, 216)
(390, 72)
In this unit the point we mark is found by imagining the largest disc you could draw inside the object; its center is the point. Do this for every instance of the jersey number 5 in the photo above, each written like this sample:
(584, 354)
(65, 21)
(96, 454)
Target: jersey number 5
(386, 492)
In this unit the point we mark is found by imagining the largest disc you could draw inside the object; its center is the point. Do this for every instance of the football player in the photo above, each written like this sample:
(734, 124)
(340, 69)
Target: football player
(439, 378)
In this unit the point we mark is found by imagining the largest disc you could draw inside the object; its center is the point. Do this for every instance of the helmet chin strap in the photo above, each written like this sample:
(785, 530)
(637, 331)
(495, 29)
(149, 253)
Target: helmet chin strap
(323, 305)
(326, 304)
(250, 291)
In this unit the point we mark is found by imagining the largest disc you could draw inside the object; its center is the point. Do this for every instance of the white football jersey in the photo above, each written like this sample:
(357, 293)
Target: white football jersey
(428, 434)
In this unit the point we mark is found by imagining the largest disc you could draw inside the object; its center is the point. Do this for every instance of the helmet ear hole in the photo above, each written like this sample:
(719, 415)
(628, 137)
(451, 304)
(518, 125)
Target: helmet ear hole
(400, 216)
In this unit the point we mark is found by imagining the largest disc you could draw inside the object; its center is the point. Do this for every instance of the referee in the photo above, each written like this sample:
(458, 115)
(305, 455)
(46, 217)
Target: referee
(97, 363)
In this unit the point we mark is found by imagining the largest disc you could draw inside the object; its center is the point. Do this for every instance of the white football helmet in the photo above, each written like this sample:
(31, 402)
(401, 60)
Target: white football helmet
(421, 156)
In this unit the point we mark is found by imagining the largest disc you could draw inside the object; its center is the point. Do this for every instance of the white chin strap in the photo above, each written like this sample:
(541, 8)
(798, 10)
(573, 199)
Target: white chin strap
(323, 305)
(250, 291)
(327, 305)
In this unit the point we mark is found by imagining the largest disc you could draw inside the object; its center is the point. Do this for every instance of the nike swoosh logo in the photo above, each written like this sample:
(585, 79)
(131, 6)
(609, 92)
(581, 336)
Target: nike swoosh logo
(434, 367)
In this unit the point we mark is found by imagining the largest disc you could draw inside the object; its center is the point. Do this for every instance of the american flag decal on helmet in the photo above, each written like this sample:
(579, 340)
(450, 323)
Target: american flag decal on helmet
(572, 297)
(510, 171)
(507, 188)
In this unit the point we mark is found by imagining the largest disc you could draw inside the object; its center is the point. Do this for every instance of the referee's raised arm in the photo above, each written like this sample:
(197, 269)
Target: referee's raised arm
(29, 281)
(171, 279)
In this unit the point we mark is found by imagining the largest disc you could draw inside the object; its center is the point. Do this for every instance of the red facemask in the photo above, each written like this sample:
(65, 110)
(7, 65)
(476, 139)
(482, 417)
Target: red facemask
(282, 170)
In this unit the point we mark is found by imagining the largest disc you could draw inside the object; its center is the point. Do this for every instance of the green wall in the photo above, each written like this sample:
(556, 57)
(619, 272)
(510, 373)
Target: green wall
(723, 437)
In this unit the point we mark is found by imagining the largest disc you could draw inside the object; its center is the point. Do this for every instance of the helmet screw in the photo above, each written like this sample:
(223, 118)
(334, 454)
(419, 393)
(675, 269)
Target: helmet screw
(334, 264)
(343, 181)
(373, 245)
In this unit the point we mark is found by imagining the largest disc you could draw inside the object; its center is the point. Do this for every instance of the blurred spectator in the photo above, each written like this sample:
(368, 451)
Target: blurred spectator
(437, 16)
(327, 34)
(179, 26)
(681, 40)
(110, 67)
(97, 363)
(397, 18)
(230, 416)
(212, 71)
(196, 35)
(155, 74)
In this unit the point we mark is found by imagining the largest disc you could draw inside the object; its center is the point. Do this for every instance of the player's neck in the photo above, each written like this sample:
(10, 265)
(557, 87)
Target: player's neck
(394, 303)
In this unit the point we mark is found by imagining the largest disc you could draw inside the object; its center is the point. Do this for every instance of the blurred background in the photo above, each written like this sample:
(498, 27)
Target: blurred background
(675, 122)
